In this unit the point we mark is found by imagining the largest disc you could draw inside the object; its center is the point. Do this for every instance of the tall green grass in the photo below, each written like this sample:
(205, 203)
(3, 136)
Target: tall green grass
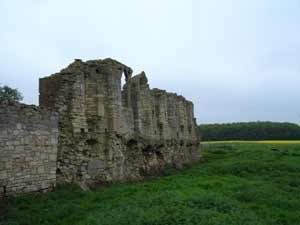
(236, 184)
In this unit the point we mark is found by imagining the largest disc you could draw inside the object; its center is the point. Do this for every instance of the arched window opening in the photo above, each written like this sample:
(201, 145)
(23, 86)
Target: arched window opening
(123, 81)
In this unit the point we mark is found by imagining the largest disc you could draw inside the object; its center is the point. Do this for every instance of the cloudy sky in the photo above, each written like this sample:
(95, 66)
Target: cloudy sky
(237, 60)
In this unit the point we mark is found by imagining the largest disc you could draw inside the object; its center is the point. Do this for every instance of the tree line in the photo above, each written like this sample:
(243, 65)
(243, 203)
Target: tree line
(250, 131)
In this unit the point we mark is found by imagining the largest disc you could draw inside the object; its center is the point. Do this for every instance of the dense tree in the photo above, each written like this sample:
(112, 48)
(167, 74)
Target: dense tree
(9, 95)
(250, 131)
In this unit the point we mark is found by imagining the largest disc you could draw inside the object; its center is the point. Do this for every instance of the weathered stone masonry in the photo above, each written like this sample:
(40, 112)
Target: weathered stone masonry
(28, 149)
(106, 134)
(89, 130)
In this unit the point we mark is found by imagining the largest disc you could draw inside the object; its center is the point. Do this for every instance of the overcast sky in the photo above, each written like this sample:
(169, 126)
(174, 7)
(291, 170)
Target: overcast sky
(237, 60)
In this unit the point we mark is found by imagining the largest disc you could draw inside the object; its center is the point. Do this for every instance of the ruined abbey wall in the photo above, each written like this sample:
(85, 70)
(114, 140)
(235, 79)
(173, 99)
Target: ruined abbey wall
(110, 134)
(88, 130)
(28, 149)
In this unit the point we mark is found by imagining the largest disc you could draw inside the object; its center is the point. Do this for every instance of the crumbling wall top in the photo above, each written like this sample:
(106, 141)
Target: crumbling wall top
(105, 66)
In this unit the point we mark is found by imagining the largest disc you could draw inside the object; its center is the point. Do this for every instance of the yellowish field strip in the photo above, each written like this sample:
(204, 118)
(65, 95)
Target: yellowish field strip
(258, 142)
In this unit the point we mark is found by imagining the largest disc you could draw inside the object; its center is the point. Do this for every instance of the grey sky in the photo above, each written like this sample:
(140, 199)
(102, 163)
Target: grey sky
(237, 60)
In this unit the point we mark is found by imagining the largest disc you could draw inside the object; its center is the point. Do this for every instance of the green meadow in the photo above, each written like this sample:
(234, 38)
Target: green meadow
(237, 183)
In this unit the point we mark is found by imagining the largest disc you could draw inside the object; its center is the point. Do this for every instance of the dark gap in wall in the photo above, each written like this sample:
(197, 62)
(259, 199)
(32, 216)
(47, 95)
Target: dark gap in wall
(131, 143)
(161, 128)
(190, 129)
(91, 141)
(181, 128)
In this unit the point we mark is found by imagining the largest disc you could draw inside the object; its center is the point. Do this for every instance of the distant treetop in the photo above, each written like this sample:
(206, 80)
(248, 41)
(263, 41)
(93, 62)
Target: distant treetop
(9, 95)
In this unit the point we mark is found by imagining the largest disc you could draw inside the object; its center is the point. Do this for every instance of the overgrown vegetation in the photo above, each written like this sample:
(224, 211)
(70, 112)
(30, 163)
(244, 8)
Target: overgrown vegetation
(238, 184)
(250, 131)
(9, 95)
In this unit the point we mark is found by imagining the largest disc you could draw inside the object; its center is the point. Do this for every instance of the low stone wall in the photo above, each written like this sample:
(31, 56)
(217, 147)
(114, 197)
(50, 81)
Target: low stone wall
(28, 149)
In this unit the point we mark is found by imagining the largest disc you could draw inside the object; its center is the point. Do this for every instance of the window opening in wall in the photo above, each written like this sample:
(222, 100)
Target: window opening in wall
(190, 129)
(123, 81)
(182, 128)
(160, 127)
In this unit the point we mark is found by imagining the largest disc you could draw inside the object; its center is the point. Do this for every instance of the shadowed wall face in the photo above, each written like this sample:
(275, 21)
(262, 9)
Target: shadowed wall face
(106, 134)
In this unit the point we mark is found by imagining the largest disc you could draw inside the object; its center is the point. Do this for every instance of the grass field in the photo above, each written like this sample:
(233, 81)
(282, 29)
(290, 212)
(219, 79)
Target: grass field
(238, 183)
(254, 142)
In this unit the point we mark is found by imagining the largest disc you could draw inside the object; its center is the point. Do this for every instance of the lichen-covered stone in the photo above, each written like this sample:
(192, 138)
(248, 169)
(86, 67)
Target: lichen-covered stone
(110, 134)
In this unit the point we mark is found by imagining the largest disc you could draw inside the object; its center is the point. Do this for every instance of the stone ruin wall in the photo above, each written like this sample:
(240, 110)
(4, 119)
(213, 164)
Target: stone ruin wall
(88, 130)
(28, 149)
(109, 134)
